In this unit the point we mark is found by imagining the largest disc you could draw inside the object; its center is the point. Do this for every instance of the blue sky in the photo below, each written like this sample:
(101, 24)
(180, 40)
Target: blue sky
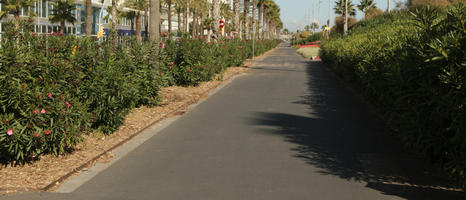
(297, 13)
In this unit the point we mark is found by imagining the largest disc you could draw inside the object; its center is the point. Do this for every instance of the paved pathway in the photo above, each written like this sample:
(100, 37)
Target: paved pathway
(288, 130)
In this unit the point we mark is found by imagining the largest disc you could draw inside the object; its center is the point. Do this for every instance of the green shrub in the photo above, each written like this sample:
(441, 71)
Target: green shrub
(56, 88)
(413, 68)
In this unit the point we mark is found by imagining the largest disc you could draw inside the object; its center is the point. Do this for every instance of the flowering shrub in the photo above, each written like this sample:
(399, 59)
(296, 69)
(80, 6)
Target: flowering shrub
(39, 111)
(56, 88)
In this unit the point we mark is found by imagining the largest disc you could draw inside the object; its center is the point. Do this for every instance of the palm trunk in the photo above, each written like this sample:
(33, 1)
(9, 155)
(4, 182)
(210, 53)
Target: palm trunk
(154, 20)
(246, 19)
(259, 24)
(200, 29)
(254, 22)
(193, 29)
(216, 17)
(185, 19)
(62, 27)
(114, 35)
(169, 13)
(178, 17)
(132, 26)
(236, 19)
(138, 26)
(264, 19)
(146, 23)
(16, 21)
(88, 17)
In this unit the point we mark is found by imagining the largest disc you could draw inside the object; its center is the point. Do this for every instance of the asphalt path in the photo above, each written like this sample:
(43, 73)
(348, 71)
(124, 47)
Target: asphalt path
(287, 130)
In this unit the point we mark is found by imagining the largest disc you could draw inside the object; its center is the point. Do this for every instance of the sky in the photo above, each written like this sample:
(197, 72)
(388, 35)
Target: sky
(296, 14)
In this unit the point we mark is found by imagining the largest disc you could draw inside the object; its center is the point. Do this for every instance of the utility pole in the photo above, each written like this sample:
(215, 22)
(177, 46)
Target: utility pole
(346, 17)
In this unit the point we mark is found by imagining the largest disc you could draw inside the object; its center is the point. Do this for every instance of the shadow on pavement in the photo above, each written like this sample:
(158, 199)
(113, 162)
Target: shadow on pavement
(341, 137)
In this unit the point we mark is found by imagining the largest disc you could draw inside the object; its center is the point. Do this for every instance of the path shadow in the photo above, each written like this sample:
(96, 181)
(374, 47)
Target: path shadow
(342, 137)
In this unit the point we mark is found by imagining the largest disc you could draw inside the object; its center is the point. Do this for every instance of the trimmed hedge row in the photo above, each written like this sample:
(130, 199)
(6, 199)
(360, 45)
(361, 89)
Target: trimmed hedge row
(413, 67)
(56, 88)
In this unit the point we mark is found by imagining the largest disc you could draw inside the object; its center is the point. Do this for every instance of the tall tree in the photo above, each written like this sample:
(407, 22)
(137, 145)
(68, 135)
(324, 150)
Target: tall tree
(154, 32)
(146, 22)
(236, 23)
(113, 32)
(340, 9)
(63, 12)
(254, 21)
(246, 19)
(169, 4)
(88, 17)
(140, 6)
(130, 15)
(216, 17)
(260, 5)
(178, 9)
(14, 7)
(364, 6)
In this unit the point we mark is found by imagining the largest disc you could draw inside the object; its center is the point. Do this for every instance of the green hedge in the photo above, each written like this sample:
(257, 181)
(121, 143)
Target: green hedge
(413, 67)
(56, 88)
(311, 38)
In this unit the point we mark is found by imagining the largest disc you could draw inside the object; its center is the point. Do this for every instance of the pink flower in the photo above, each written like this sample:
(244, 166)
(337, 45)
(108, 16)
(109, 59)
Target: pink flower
(49, 95)
(9, 132)
(189, 70)
(47, 132)
(68, 104)
(42, 111)
(171, 63)
(163, 46)
(36, 112)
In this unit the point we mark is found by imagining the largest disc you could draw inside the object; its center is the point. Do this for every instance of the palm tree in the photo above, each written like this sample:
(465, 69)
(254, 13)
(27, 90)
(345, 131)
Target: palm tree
(14, 7)
(216, 17)
(254, 21)
(227, 14)
(246, 18)
(63, 12)
(88, 17)
(364, 6)
(260, 5)
(169, 4)
(129, 15)
(154, 20)
(178, 9)
(140, 6)
(203, 7)
(340, 9)
(236, 23)
(113, 32)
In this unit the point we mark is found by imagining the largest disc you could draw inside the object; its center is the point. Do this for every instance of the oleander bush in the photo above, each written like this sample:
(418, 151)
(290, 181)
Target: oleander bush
(413, 67)
(55, 88)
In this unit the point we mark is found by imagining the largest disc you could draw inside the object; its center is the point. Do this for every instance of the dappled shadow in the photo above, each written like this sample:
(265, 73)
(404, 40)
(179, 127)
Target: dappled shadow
(341, 137)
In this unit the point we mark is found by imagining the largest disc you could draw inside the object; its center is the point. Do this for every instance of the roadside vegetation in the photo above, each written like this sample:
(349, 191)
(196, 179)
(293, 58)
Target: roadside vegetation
(412, 65)
(56, 88)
